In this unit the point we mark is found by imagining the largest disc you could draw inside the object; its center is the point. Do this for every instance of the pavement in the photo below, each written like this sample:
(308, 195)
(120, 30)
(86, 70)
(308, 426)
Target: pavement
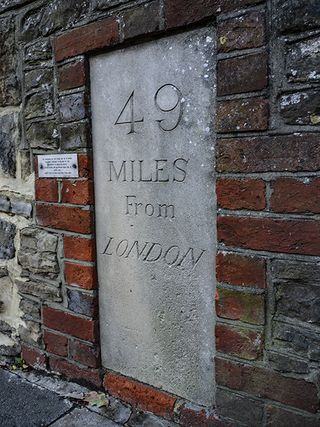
(32, 399)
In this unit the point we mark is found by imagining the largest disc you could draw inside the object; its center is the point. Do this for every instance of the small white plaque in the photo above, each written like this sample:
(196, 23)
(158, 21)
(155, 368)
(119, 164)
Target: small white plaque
(58, 166)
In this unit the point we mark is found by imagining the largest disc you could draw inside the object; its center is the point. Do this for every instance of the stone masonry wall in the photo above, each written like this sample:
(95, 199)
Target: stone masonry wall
(268, 182)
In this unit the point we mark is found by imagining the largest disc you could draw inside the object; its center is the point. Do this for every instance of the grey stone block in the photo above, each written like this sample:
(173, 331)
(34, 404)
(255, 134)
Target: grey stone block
(41, 290)
(297, 15)
(9, 83)
(300, 108)
(30, 308)
(43, 135)
(38, 52)
(72, 107)
(39, 105)
(84, 417)
(248, 412)
(41, 78)
(74, 136)
(9, 137)
(303, 61)
(7, 235)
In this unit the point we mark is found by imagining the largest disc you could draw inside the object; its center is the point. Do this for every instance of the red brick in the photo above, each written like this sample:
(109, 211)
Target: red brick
(33, 357)
(56, 344)
(79, 275)
(241, 194)
(143, 396)
(69, 324)
(196, 416)
(276, 417)
(98, 35)
(242, 32)
(240, 342)
(242, 306)
(242, 115)
(84, 354)
(65, 218)
(183, 12)
(274, 235)
(77, 192)
(240, 270)
(79, 248)
(75, 373)
(291, 195)
(85, 166)
(292, 153)
(47, 190)
(267, 384)
(242, 74)
(72, 75)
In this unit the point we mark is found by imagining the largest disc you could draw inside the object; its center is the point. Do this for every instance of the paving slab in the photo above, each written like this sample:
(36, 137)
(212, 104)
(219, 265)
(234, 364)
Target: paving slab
(83, 418)
(23, 404)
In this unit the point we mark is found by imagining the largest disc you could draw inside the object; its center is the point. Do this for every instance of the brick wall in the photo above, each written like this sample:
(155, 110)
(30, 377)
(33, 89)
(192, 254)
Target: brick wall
(267, 164)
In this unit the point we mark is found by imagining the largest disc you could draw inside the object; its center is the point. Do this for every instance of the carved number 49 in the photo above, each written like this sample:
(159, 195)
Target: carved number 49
(167, 100)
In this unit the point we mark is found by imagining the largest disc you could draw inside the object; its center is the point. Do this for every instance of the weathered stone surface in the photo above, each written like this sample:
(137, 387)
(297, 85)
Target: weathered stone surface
(39, 105)
(7, 235)
(30, 308)
(142, 419)
(41, 290)
(117, 411)
(40, 78)
(303, 61)
(284, 363)
(107, 4)
(296, 340)
(61, 14)
(298, 301)
(5, 328)
(84, 417)
(168, 281)
(43, 135)
(10, 4)
(297, 15)
(297, 290)
(142, 20)
(57, 15)
(38, 52)
(9, 84)
(81, 303)
(9, 138)
(276, 417)
(21, 207)
(301, 273)
(37, 254)
(300, 108)
(73, 107)
(246, 411)
(31, 333)
(74, 136)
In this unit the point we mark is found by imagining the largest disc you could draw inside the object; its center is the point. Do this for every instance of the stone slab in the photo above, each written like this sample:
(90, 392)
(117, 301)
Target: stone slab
(84, 417)
(23, 404)
(153, 140)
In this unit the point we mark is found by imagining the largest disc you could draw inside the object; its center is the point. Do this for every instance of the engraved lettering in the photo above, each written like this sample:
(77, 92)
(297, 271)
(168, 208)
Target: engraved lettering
(160, 210)
(176, 164)
(175, 258)
(117, 175)
(155, 257)
(126, 244)
(105, 252)
(172, 256)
